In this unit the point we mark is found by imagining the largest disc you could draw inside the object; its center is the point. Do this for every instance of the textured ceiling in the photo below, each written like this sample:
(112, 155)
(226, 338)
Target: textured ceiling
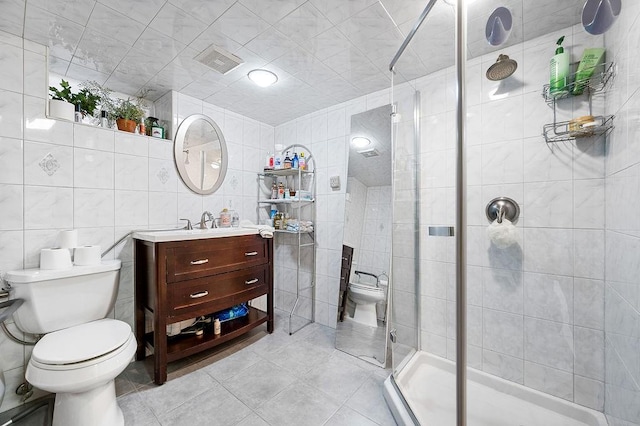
(323, 51)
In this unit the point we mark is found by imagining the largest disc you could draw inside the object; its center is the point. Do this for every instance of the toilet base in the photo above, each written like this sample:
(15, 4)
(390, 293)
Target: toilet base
(96, 407)
(366, 314)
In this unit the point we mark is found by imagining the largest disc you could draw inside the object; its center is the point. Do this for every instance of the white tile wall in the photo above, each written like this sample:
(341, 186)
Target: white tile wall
(59, 175)
(620, 394)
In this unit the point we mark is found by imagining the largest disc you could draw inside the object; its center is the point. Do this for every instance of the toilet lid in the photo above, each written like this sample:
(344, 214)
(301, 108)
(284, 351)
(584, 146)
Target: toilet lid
(81, 342)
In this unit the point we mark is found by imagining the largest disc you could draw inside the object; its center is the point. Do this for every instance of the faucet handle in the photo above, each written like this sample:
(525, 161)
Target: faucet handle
(188, 226)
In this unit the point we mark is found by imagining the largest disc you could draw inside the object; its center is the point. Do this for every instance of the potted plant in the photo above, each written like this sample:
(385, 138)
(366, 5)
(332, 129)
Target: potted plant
(127, 113)
(63, 101)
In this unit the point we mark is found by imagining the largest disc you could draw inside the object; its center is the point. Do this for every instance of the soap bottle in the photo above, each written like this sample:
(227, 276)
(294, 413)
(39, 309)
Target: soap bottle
(277, 162)
(295, 162)
(274, 191)
(225, 219)
(302, 163)
(268, 164)
(287, 161)
(559, 72)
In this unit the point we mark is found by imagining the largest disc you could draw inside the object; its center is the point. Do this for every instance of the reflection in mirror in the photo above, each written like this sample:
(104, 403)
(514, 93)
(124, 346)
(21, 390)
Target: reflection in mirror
(362, 324)
(200, 153)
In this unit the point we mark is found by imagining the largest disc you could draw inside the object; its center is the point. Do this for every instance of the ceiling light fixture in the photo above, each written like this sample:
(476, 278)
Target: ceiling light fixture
(262, 78)
(360, 142)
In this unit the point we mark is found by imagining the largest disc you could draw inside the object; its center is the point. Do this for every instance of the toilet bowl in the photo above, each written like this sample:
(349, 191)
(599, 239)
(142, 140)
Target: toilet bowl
(366, 297)
(81, 352)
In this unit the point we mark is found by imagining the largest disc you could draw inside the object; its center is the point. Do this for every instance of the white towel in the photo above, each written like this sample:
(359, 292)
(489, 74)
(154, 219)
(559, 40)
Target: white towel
(502, 235)
(265, 231)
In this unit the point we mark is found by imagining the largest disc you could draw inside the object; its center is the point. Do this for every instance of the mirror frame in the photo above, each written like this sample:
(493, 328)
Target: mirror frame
(178, 153)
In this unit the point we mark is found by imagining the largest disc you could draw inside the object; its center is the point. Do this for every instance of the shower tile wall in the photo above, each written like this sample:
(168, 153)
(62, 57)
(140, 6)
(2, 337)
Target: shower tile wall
(535, 312)
(104, 183)
(622, 255)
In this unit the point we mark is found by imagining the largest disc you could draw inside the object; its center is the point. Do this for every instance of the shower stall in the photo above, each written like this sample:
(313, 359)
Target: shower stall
(529, 319)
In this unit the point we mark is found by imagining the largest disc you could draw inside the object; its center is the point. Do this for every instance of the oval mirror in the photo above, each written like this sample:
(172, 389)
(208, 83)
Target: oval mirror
(200, 152)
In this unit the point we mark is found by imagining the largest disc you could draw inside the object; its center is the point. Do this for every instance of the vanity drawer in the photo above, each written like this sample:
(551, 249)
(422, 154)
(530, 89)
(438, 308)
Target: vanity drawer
(191, 261)
(206, 295)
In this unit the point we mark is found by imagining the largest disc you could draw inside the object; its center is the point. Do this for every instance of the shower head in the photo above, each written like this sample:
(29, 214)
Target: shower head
(502, 69)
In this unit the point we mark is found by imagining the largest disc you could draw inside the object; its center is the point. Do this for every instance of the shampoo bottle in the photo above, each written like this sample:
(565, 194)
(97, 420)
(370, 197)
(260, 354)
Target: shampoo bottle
(559, 74)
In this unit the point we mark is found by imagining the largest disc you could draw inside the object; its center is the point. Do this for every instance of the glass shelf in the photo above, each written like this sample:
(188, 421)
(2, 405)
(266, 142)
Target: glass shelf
(602, 76)
(286, 201)
(559, 131)
(286, 172)
(284, 231)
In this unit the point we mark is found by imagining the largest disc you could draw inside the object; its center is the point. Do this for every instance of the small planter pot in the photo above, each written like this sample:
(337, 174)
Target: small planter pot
(61, 110)
(126, 125)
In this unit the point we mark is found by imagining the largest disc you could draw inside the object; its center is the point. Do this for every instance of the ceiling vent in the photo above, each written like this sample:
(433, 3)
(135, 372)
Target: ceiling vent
(368, 153)
(218, 59)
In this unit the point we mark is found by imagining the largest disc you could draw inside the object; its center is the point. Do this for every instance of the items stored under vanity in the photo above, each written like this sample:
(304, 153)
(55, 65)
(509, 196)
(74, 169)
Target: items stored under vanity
(202, 278)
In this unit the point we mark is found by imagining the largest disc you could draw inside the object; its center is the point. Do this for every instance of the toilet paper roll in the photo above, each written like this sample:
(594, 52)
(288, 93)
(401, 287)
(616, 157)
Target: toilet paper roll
(86, 255)
(55, 258)
(68, 239)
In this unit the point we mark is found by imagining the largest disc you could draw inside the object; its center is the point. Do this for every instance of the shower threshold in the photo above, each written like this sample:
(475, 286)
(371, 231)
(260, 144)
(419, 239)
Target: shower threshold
(425, 390)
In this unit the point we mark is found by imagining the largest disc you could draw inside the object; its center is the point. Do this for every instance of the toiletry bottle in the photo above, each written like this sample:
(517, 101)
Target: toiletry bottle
(281, 191)
(78, 115)
(295, 162)
(559, 72)
(104, 121)
(268, 164)
(216, 327)
(591, 59)
(225, 219)
(287, 161)
(302, 163)
(274, 191)
(277, 162)
(143, 129)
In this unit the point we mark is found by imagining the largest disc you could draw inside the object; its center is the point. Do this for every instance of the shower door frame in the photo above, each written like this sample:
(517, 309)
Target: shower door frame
(460, 222)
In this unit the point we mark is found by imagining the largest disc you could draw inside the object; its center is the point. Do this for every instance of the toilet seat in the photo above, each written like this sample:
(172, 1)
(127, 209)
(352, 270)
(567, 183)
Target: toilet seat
(81, 345)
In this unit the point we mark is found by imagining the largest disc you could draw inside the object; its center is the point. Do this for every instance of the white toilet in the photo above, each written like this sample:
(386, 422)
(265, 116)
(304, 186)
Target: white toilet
(82, 352)
(366, 297)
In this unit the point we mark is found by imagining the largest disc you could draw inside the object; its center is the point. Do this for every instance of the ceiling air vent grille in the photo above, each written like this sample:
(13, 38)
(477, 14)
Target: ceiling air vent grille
(368, 153)
(218, 59)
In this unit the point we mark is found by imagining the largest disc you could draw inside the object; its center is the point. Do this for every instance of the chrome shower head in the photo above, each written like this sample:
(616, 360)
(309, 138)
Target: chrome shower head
(503, 68)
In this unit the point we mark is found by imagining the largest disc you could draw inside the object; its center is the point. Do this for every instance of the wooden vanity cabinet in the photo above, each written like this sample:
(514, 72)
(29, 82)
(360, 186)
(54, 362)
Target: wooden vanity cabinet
(179, 280)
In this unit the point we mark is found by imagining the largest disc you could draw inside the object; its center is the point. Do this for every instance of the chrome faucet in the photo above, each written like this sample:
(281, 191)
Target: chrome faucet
(206, 217)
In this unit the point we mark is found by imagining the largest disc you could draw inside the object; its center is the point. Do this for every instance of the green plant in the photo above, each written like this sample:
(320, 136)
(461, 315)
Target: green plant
(85, 99)
(127, 109)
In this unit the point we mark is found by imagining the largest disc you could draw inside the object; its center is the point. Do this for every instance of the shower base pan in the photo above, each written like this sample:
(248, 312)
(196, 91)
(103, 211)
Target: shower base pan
(424, 394)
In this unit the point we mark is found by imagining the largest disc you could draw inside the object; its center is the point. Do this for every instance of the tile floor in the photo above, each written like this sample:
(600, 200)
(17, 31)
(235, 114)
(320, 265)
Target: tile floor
(267, 379)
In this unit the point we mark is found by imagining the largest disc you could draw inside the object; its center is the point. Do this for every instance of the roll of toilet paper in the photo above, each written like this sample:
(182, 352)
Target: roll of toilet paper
(55, 258)
(86, 255)
(68, 239)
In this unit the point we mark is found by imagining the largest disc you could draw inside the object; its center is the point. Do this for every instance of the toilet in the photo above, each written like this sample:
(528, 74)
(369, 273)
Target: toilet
(82, 351)
(366, 297)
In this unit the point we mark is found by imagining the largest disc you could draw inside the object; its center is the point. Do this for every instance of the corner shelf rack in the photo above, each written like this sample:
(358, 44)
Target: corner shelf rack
(559, 131)
(305, 240)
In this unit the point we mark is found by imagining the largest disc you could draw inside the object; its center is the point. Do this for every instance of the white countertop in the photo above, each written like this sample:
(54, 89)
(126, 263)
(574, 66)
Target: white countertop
(192, 234)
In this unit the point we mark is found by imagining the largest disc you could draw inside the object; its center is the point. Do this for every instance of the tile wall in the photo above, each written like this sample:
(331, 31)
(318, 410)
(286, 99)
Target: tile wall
(622, 231)
(59, 175)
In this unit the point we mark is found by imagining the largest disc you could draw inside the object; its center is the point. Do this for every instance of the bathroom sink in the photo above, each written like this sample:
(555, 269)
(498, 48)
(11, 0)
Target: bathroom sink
(191, 234)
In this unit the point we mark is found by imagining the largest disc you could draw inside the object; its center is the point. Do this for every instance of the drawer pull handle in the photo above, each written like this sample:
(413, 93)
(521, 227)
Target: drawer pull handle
(199, 262)
(253, 281)
(251, 253)
(198, 294)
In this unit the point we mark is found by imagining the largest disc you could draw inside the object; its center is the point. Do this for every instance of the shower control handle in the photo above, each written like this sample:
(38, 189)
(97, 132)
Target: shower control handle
(392, 335)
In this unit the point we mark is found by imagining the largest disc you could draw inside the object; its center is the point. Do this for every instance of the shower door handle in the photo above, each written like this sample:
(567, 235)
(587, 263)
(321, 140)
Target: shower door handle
(392, 335)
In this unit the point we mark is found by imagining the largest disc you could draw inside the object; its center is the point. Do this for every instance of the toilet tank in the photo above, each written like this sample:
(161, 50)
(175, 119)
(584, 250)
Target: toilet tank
(57, 299)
